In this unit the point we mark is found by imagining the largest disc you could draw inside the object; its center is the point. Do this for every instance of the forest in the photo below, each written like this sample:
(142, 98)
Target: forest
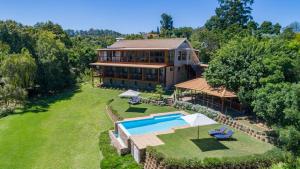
(260, 62)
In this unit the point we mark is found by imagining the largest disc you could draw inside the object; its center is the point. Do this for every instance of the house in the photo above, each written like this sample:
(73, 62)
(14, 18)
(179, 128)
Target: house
(145, 63)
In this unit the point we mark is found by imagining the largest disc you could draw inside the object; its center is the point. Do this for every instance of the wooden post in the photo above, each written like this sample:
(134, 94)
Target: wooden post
(149, 52)
(166, 57)
(92, 70)
(158, 75)
(222, 111)
(128, 73)
(142, 73)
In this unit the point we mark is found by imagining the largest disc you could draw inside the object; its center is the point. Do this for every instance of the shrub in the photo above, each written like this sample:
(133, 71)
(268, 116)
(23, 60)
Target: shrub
(111, 159)
(196, 108)
(252, 161)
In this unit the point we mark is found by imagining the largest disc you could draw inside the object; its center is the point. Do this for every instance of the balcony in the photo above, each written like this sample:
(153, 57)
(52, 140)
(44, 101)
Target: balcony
(132, 76)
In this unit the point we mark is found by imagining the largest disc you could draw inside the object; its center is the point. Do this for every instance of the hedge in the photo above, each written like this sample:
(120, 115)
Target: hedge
(196, 108)
(111, 159)
(253, 161)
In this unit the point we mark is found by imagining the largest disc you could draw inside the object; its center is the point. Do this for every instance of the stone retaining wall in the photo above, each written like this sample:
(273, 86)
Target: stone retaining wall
(263, 136)
(111, 115)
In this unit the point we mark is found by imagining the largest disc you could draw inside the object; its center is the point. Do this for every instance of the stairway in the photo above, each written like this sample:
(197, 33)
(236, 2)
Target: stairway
(195, 64)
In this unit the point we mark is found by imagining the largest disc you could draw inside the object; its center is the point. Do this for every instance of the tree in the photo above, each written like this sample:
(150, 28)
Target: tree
(159, 90)
(134, 36)
(276, 29)
(183, 32)
(246, 64)
(166, 22)
(11, 97)
(266, 27)
(166, 25)
(52, 61)
(207, 42)
(56, 29)
(230, 12)
(295, 26)
(19, 69)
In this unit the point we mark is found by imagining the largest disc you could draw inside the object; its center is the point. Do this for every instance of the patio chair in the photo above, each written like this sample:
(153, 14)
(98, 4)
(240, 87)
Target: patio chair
(224, 136)
(217, 131)
(134, 100)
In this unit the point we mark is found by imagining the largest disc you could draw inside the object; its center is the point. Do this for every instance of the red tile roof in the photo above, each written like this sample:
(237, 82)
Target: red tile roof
(200, 84)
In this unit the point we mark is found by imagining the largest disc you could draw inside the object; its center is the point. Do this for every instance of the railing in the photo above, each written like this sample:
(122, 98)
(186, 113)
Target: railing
(127, 60)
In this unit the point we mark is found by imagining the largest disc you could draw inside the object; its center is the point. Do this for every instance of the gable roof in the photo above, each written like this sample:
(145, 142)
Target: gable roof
(148, 44)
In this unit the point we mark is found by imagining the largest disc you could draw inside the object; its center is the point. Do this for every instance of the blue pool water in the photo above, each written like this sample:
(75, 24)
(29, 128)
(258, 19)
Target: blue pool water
(150, 125)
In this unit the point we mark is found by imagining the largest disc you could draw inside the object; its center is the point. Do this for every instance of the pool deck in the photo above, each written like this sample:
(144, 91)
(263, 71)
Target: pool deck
(142, 141)
(151, 139)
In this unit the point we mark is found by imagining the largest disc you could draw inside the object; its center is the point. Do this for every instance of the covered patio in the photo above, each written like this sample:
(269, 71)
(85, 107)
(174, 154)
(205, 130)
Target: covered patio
(198, 91)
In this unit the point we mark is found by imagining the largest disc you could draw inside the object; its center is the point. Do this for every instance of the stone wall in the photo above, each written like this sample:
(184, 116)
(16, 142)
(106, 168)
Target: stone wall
(263, 136)
(111, 115)
(152, 163)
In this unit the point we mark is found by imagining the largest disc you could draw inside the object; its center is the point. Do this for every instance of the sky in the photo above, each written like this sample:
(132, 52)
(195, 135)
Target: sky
(134, 16)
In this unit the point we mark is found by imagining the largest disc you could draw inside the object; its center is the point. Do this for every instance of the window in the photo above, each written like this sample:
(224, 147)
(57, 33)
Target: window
(183, 55)
(110, 81)
(179, 55)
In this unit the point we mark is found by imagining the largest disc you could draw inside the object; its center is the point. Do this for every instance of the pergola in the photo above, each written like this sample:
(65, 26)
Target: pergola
(203, 93)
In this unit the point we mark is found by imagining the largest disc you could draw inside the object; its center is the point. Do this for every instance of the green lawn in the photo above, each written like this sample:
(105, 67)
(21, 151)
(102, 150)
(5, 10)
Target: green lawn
(58, 132)
(122, 106)
(62, 131)
(184, 144)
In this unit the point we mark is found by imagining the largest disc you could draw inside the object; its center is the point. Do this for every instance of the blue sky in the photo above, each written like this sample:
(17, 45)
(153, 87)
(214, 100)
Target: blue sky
(133, 16)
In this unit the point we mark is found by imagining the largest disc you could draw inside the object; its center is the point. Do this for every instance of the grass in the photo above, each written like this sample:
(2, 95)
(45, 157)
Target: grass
(63, 131)
(111, 159)
(184, 144)
(126, 111)
(56, 132)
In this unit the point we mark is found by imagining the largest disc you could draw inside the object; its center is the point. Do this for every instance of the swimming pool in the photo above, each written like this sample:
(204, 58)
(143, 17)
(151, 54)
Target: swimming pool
(154, 124)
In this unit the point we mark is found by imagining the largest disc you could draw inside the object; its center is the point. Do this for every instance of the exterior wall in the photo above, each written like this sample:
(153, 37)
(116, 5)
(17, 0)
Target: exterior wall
(129, 83)
(170, 76)
(180, 74)
(182, 47)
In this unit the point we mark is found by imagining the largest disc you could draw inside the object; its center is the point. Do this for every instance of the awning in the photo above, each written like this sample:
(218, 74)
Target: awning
(200, 84)
(137, 65)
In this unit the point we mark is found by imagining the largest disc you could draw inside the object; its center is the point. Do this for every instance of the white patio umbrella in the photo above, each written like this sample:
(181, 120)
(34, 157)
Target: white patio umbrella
(130, 93)
(198, 119)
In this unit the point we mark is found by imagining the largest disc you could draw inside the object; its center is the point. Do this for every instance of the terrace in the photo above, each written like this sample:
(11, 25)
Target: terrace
(183, 143)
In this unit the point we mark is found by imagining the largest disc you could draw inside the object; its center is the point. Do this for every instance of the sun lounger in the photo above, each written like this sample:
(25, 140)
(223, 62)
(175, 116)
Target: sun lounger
(224, 136)
(134, 100)
(217, 131)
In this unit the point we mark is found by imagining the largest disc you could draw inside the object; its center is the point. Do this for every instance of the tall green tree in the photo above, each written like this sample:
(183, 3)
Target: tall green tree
(183, 32)
(207, 42)
(230, 12)
(246, 64)
(19, 70)
(53, 63)
(166, 23)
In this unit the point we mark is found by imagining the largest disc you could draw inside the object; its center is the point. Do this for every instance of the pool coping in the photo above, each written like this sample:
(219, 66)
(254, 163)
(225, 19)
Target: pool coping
(142, 141)
(152, 138)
